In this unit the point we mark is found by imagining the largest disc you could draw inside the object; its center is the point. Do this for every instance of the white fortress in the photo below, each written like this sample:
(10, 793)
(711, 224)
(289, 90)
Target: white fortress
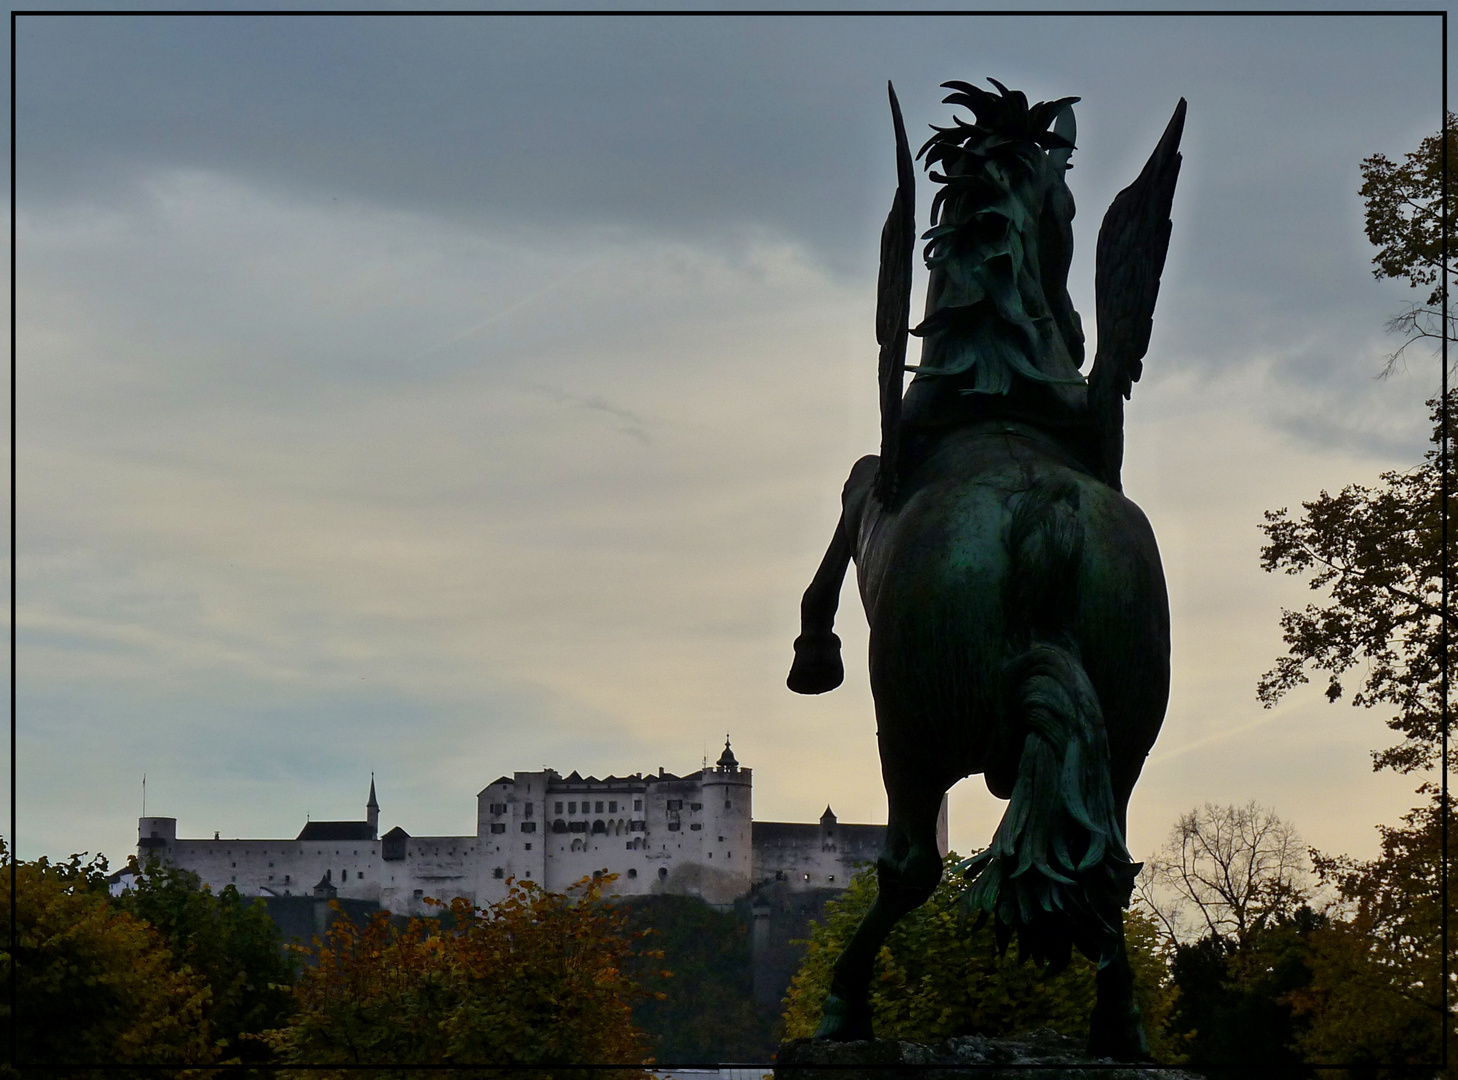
(690, 835)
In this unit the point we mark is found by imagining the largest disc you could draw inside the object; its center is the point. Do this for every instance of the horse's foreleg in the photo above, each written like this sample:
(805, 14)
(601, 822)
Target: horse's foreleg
(907, 873)
(817, 667)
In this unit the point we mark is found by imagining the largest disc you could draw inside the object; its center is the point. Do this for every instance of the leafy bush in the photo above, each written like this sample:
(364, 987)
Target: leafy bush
(937, 977)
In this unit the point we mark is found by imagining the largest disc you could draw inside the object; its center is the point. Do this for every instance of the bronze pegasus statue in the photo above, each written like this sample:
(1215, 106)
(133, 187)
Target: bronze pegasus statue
(1017, 607)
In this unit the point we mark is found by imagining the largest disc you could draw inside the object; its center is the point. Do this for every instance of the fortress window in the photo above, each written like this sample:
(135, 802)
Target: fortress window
(711, 854)
(419, 893)
(663, 871)
(559, 809)
(235, 866)
(344, 875)
(807, 877)
(287, 879)
(612, 807)
(498, 826)
(637, 804)
(721, 839)
(598, 810)
(728, 854)
(632, 873)
(233, 878)
(674, 826)
(779, 875)
(728, 805)
(675, 804)
(696, 806)
(527, 810)
(270, 866)
(695, 826)
(830, 878)
(528, 826)
(527, 846)
(572, 808)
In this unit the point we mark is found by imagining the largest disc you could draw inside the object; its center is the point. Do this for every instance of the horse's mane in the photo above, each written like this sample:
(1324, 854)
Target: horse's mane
(999, 245)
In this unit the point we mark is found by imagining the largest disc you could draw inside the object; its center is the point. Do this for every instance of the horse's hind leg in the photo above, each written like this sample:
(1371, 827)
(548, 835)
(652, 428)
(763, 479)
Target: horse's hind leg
(1115, 1028)
(907, 872)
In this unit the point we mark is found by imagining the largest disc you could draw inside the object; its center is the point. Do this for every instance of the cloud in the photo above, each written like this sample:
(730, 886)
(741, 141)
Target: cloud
(475, 395)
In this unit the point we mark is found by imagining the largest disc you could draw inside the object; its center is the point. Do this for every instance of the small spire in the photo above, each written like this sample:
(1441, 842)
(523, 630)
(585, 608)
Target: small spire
(372, 802)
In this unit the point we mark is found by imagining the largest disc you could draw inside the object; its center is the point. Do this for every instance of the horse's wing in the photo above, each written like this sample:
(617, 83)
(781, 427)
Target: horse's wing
(893, 303)
(1133, 242)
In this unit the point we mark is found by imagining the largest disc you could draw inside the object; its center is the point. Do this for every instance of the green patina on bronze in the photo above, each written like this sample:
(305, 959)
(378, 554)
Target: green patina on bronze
(1018, 614)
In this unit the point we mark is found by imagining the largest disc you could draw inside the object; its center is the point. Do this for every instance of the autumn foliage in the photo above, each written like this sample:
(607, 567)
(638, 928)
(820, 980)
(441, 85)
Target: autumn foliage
(536, 981)
(95, 985)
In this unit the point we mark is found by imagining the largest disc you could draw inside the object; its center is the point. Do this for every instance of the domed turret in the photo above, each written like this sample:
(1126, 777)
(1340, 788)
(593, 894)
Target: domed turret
(727, 760)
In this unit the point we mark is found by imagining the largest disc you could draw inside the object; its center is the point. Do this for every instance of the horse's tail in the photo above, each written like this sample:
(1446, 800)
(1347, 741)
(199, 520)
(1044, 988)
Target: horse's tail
(1057, 872)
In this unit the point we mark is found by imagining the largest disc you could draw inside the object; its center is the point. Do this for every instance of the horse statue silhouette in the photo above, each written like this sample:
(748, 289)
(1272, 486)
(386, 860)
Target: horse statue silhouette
(1019, 625)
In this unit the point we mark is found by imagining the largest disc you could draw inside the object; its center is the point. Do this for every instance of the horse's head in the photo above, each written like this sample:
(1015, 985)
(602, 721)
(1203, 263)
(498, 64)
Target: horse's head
(1000, 245)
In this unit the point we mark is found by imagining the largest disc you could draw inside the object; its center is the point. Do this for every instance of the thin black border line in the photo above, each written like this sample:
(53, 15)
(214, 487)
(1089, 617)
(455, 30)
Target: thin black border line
(1443, 551)
(1443, 459)
(724, 14)
(14, 855)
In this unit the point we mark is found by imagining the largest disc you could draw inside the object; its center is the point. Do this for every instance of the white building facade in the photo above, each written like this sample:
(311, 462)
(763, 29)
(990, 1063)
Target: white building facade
(691, 835)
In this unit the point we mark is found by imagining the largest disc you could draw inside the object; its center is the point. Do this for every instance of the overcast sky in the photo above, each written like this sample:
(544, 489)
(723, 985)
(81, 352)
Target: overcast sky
(444, 397)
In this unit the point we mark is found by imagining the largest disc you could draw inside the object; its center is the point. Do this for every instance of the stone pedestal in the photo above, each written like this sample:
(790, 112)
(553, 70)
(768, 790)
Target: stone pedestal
(1061, 1058)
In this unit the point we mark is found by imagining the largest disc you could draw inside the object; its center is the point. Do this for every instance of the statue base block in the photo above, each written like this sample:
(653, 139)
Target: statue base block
(1017, 1058)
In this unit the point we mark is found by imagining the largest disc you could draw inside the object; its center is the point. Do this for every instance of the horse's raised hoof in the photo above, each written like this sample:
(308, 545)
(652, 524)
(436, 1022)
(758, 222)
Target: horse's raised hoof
(817, 667)
(845, 1021)
(1120, 1037)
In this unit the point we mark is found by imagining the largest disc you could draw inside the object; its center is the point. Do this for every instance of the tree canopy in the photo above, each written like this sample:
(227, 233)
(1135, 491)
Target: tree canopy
(95, 986)
(536, 980)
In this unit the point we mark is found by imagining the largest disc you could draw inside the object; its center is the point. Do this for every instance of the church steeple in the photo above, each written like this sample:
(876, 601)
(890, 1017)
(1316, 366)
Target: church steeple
(372, 809)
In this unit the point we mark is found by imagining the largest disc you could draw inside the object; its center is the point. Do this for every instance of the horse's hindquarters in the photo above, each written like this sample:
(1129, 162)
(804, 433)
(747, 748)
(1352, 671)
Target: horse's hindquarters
(946, 616)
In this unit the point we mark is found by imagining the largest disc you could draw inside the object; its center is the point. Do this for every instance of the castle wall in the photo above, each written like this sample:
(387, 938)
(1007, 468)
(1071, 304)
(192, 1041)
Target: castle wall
(824, 856)
(279, 867)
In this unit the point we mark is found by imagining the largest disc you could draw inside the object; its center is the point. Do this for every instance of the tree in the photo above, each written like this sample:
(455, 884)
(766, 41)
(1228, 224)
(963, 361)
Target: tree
(1378, 549)
(1404, 223)
(1227, 892)
(1374, 997)
(233, 945)
(1224, 872)
(94, 984)
(938, 977)
(1234, 1007)
(1374, 994)
(1377, 552)
(536, 980)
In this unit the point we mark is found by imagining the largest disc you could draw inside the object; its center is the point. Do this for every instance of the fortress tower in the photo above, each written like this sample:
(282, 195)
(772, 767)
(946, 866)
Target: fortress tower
(726, 870)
